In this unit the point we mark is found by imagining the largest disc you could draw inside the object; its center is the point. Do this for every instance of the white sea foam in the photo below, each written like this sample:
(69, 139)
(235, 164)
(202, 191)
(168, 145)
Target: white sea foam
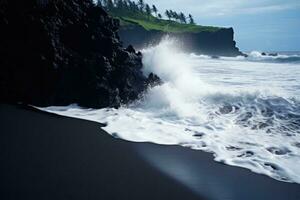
(246, 113)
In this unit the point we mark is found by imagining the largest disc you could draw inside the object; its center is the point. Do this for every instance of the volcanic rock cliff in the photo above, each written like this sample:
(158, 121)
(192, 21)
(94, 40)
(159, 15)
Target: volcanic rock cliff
(217, 43)
(56, 52)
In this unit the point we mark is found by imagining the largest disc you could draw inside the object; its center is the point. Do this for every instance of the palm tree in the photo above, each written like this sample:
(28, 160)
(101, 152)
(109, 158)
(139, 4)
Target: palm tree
(148, 10)
(154, 9)
(168, 14)
(191, 19)
(175, 15)
(141, 5)
(182, 18)
(133, 6)
(171, 14)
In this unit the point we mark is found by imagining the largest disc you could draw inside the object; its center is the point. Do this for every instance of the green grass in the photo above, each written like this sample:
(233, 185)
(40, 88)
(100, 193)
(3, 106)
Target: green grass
(128, 20)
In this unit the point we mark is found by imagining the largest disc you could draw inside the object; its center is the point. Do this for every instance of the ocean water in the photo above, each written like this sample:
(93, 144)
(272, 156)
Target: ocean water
(246, 111)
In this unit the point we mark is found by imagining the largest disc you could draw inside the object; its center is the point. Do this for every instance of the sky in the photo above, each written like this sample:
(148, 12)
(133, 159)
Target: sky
(262, 25)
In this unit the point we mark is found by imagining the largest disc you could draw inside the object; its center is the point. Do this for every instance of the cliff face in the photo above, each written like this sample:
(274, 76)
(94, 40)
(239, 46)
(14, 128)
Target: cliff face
(60, 52)
(219, 43)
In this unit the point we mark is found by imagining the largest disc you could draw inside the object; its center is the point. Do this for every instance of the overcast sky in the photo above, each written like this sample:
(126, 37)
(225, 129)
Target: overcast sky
(259, 24)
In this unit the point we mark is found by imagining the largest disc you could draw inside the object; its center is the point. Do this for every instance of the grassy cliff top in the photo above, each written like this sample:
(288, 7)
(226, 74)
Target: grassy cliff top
(153, 23)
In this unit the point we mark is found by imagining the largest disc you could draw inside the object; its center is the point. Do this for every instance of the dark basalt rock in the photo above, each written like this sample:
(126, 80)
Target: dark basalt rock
(60, 52)
(153, 80)
(269, 54)
(273, 54)
(219, 43)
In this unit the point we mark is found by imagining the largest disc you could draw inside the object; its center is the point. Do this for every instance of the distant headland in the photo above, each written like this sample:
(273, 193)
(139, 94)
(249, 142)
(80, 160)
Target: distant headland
(142, 25)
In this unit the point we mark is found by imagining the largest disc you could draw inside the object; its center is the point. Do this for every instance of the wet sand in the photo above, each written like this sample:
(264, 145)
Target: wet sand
(45, 156)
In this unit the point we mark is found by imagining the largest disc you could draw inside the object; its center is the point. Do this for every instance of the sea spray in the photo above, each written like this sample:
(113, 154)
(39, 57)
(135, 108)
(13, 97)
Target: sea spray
(246, 113)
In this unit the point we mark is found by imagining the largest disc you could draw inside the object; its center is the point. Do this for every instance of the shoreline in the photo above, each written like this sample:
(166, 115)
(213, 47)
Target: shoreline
(46, 156)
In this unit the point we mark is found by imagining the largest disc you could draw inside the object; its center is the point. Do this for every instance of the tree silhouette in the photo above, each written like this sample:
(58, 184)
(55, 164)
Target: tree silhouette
(131, 7)
(168, 14)
(191, 19)
(148, 10)
(182, 18)
(171, 14)
(141, 5)
(154, 9)
(174, 15)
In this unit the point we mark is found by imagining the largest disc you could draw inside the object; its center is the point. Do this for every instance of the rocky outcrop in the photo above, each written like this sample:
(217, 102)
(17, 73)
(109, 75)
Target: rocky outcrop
(60, 52)
(218, 43)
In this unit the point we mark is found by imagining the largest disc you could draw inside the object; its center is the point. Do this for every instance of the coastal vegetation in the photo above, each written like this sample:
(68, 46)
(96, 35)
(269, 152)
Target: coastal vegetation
(131, 13)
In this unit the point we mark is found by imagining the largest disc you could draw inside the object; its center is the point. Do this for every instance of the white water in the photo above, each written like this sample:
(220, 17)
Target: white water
(245, 111)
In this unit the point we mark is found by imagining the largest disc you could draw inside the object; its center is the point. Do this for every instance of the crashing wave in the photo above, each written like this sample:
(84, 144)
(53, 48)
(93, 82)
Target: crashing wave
(247, 114)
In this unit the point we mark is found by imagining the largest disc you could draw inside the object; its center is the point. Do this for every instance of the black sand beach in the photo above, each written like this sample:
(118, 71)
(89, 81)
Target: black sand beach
(45, 156)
